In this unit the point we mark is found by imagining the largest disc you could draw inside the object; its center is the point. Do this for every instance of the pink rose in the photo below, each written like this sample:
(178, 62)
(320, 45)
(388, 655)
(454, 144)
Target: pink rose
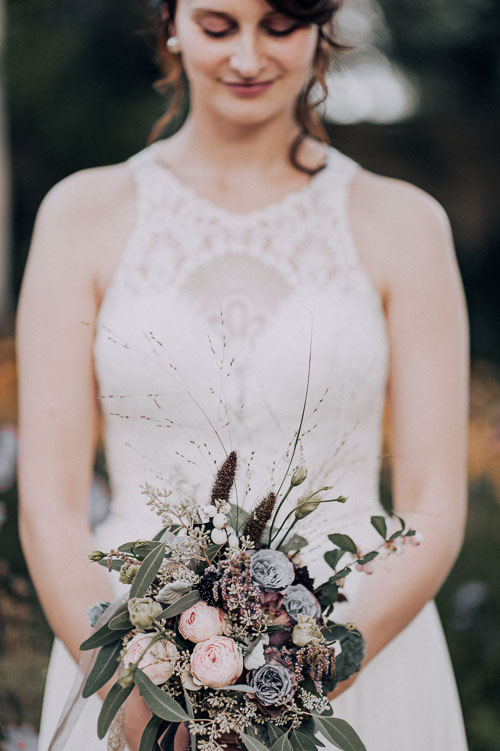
(201, 622)
(216, 662)
(158, 662)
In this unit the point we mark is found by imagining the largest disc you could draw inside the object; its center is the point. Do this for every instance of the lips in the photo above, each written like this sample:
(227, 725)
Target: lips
(248, 88)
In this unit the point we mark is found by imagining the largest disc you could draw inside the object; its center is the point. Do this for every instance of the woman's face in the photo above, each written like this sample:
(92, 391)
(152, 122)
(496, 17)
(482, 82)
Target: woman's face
(244, 61)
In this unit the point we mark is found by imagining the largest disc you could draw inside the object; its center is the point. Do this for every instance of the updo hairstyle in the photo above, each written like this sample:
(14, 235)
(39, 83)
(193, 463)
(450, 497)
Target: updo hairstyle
(174, 86)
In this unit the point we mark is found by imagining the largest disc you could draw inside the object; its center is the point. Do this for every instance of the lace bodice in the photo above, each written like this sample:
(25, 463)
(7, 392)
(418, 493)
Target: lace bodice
(203, 343)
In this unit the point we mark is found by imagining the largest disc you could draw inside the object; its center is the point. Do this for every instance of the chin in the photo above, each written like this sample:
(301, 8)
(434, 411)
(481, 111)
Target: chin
(249, 112)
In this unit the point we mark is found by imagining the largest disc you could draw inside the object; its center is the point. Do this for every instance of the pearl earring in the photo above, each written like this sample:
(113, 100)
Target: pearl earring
(173, 45)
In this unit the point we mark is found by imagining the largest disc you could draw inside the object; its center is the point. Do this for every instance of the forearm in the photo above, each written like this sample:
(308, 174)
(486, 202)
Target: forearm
(387, 601)
(56, 548)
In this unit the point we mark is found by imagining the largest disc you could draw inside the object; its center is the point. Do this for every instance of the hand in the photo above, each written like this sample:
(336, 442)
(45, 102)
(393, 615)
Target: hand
(341, 687)
(182, 740)
(137, 715)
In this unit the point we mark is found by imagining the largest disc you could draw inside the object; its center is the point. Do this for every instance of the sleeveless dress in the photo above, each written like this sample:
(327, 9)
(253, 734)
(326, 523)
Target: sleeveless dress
(215, 329)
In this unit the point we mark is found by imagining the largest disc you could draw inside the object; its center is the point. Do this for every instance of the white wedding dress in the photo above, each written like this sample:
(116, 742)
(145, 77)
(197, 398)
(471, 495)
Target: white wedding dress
(202, 345)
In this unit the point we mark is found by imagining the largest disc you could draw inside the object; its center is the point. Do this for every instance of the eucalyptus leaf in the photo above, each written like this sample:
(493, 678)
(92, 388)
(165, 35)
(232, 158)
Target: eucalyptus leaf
(294, 544)
(147, 571)
(344, 542)
(302, 741)
(282, 743)
(252, 744)
(151, 733)
(238, 687)
(332, 557)
(339, 732)
(99, 638)
(183, 603)
(167, 742)
(274, 732)
(115, 564)
(378, 522)
(104, 668)
(159, 702)
(189, 710)
(120, 622)
(110, 707)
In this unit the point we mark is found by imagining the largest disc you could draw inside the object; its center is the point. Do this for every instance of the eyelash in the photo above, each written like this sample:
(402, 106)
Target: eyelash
(219, 34)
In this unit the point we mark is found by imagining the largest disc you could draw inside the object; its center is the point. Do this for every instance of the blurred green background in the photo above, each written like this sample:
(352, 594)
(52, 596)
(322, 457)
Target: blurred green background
(418, 99)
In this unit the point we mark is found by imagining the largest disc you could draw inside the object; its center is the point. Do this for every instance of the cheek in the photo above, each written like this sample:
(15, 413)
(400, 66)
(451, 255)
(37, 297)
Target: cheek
(297, 55)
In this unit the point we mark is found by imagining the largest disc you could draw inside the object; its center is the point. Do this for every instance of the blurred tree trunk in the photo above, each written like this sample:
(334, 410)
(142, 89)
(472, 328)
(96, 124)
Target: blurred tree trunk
(5, 300)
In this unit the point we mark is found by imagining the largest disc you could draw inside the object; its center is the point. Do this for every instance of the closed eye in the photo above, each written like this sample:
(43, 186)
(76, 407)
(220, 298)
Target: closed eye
(218, 33)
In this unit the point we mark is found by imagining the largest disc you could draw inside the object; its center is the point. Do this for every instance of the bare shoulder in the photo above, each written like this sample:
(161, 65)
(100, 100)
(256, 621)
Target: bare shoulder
(400, 230)
(85, 220)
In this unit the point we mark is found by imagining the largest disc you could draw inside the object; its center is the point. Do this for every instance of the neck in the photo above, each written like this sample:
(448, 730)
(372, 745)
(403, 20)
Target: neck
(232, 147)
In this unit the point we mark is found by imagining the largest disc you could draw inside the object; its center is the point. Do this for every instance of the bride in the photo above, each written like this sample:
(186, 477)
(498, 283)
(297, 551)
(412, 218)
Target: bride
(189, 284)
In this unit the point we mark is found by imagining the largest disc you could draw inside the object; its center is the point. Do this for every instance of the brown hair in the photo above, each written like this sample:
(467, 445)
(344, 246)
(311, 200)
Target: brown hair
(174, 85)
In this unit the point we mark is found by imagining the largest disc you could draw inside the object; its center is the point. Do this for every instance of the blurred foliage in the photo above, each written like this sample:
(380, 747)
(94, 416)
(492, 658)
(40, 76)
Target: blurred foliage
(452, 47)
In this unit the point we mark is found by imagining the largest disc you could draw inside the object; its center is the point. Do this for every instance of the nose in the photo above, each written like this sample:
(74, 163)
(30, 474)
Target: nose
(246, 59)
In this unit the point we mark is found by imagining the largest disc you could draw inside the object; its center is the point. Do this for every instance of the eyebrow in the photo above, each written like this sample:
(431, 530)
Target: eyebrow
(200, 11)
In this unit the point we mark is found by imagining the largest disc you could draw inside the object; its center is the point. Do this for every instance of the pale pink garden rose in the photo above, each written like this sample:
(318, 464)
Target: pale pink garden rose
(216, 662)
(158, 662)
(201, 622)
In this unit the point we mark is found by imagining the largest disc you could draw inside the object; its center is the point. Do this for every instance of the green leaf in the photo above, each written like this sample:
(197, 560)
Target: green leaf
(110, 707)
(183, 603)
(329, 593)
(189, 710)
(339, 732)
(237, 687)
(411, 533)
(151, 733)
(344, 542)
(167, 742)
(274, 733)
(104, 668)
(379, 523)
(282, 743)
(252, 744)
(332, 557)
(368, 557)
(295, 543)
(99, 638)
(302, 742)
(211, 551)
(115, 564)
(147, 572)
(120, 622)
(335, 632)
(158, 701)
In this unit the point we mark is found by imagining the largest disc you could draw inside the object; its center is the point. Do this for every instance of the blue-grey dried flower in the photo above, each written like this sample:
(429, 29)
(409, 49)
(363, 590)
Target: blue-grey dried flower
(271, 569)
(173, 591)
(273, 684)
(298, 600)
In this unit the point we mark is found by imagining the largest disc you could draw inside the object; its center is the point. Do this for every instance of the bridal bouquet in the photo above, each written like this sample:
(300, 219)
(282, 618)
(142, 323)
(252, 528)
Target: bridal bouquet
(225, 630)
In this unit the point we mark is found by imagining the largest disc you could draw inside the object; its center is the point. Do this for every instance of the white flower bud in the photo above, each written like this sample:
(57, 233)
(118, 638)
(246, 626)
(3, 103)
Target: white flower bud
(298, 476)
(417, 538)
(219, 521)
(219, 536)
(209, 510)
(233, 541)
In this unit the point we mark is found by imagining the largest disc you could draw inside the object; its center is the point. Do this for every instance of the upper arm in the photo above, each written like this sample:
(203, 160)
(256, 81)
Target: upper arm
(428, 334)
(54, 336)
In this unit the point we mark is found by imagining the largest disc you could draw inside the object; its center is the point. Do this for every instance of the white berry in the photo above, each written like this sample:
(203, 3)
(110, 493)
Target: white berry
(209, 510)
(233, 541)
(219, 536)
(219, 521)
